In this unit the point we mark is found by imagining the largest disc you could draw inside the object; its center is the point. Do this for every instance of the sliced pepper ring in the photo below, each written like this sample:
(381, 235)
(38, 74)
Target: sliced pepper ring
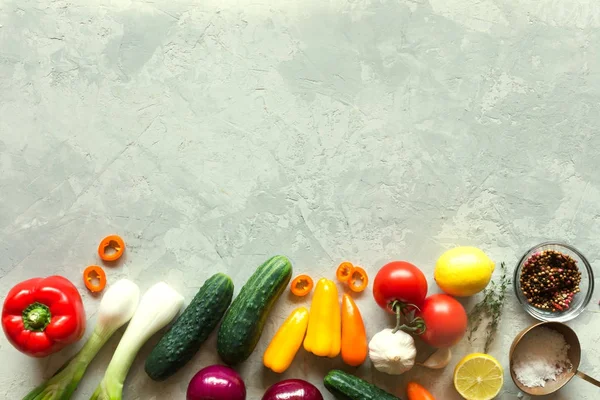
(344, 272)
(111, 242)
(359, 280)
(94, 278)
(302, 285)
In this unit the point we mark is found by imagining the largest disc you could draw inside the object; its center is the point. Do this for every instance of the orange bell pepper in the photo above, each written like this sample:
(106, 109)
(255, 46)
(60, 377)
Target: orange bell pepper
(287, 341)
(324, 334)
(354, 336)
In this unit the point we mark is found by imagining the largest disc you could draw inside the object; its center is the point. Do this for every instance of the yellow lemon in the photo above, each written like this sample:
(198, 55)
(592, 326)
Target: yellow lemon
(478, 376)
(463, 271)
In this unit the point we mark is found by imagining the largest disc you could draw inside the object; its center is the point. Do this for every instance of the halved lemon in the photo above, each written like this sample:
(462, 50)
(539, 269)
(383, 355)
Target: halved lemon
(478, 376)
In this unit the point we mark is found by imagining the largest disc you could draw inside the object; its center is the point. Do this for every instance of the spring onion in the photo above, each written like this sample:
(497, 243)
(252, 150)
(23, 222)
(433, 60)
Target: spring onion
(116, 308)
(159, 305)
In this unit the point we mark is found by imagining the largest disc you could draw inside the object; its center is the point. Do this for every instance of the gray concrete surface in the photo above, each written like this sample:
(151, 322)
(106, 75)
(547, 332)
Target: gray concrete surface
(213, 134)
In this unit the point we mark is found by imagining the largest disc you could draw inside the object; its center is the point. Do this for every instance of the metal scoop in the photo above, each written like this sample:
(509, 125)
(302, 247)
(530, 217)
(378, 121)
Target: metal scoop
(574, 355)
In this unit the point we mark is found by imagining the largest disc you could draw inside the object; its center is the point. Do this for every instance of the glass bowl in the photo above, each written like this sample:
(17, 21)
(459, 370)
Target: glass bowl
(580, 300)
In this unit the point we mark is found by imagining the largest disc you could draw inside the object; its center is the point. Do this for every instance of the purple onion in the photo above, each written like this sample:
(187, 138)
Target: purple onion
(293, 389)
(216, 382)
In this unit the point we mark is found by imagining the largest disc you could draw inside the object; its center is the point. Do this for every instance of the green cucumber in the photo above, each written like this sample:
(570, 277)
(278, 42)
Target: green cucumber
(349, 387)
(192, 328)
(244, 321)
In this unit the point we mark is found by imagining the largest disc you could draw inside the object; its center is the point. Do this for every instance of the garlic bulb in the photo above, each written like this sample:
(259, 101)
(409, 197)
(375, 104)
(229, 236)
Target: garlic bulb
(392, 353)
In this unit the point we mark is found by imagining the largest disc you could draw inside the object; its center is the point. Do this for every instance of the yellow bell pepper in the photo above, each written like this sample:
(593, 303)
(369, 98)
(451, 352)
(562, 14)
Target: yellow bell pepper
(287, 341)
(324, 334)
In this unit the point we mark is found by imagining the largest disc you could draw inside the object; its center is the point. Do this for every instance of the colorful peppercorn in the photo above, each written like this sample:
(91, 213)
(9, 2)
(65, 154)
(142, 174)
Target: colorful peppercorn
(549, 280)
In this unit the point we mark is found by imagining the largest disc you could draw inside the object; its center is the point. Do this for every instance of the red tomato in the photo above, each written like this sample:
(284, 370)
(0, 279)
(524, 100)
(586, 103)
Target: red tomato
(445, 319)
(402, 281)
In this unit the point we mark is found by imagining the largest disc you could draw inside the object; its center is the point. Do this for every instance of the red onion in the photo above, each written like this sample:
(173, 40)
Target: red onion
(293, 389)
(216, 382)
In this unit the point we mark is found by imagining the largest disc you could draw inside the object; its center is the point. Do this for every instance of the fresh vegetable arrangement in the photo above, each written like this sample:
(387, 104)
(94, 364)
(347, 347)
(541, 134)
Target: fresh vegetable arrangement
(400, 287)
(42, 316)
(439, 320)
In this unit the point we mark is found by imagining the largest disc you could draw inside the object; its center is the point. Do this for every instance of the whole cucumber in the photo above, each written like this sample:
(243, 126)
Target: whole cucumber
(243, 323)
(182, 341)
(349, 387)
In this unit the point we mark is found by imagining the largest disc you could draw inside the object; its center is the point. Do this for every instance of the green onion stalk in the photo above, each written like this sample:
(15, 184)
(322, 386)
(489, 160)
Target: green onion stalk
(116, 308)
(159, 305)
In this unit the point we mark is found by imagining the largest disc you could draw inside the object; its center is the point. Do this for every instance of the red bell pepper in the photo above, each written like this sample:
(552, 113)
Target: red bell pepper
(42, 315)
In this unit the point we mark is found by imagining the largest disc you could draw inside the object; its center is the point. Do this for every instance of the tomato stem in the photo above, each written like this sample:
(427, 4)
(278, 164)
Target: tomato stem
(415, 325)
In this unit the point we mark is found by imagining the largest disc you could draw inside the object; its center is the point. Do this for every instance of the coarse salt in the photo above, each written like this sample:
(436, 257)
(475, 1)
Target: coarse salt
(541, 356)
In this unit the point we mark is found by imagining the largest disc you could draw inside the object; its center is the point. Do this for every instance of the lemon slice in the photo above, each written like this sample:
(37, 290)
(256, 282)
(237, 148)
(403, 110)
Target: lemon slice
(478, 376)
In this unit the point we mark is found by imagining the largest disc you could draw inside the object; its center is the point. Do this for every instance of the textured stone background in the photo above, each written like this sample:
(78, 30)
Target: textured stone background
(214, 134)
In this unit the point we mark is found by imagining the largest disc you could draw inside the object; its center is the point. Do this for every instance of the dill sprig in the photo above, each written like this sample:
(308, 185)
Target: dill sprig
(490, 309)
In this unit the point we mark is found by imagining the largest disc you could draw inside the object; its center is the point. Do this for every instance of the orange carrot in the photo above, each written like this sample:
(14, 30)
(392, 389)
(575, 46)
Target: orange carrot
(418, 392)
(354, 336)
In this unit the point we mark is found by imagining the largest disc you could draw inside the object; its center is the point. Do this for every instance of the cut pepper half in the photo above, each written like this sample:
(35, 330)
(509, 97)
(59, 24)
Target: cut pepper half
(359, 280)
(111, 248)
(302, 285)
(344, 272)
(94, 278)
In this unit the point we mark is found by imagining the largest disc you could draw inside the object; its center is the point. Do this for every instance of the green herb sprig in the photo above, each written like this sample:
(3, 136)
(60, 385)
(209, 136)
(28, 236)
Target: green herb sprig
(490, 309)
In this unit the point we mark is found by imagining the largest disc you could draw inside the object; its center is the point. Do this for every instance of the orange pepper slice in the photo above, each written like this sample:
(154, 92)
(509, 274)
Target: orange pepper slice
(359, 280)
(344, 272)
(111, 242)
(94, 278)
(302, 285)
